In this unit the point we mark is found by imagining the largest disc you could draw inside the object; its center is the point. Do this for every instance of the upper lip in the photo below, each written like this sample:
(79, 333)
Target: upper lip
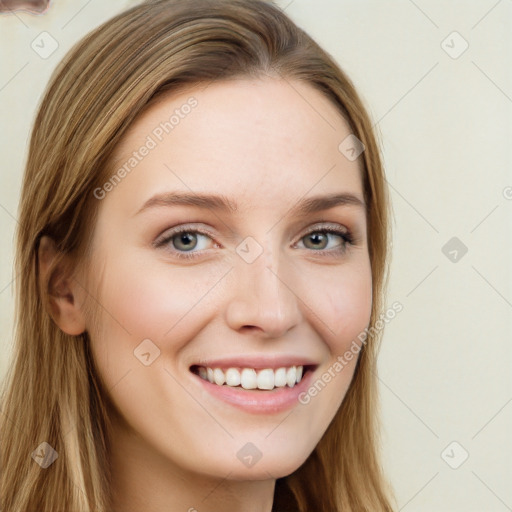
(257, 362)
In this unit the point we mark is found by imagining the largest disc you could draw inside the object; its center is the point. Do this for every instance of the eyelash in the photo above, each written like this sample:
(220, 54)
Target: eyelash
(345, 235)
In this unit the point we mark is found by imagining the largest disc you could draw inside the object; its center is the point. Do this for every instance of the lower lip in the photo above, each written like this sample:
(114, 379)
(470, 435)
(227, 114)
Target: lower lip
(261, 401)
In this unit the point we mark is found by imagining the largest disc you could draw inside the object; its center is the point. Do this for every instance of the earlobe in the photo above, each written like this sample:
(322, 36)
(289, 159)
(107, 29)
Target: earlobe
(60, 290)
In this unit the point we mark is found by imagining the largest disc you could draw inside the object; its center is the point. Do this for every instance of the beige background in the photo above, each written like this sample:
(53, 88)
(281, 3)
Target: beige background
(445, 121)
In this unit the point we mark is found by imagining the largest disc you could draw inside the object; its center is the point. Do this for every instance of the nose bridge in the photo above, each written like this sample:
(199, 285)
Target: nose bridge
(262, 297)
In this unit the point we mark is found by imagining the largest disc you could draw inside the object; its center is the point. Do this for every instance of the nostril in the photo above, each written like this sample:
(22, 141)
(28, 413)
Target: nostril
(250, 328)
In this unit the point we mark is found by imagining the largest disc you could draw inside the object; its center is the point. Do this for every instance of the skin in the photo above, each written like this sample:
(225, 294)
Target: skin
(265, 145)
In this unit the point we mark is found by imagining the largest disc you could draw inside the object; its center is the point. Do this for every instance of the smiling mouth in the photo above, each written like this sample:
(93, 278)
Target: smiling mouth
(265, 379)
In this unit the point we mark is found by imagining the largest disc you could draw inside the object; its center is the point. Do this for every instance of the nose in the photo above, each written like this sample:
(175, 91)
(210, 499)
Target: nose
(262, 298)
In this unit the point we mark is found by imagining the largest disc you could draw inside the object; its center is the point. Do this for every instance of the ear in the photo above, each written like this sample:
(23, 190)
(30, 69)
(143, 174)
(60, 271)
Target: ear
(63, 293)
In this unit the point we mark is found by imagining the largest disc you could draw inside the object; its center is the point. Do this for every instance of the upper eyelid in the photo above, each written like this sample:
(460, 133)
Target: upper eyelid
(318, 226)
(326, 226)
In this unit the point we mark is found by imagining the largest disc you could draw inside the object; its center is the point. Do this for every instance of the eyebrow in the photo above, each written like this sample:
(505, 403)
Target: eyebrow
(224, 204)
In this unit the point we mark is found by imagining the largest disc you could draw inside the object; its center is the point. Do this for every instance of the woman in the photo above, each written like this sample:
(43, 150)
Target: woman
(201, 260)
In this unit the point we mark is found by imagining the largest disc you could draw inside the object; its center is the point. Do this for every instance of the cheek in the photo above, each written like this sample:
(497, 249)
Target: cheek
(153, 300)
(343, 303)
(351, 311)
(157, 302)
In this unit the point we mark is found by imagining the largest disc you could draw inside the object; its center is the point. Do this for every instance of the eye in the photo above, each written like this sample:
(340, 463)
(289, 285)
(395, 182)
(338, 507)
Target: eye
(187, 242)
(184, 240)
(327, 239)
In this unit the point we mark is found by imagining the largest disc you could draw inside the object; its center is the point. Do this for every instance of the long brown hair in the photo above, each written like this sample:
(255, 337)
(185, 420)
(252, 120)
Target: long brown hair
(52, 392)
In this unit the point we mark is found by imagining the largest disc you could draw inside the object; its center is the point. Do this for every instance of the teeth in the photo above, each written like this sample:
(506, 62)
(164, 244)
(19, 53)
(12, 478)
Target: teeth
(299, 374)
(203, 373)
(280, 378)
(249, 378)
(291, 376)
(218, 376)
(232, 377)
(266, 379)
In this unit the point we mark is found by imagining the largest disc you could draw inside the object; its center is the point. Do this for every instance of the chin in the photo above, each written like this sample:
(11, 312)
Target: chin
(274, 465)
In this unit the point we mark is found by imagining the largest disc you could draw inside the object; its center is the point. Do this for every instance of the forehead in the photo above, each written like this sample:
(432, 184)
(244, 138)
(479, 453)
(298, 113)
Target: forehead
(258, 140)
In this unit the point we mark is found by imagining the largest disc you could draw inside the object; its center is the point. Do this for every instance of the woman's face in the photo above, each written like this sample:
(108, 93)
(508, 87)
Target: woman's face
(232, 247)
